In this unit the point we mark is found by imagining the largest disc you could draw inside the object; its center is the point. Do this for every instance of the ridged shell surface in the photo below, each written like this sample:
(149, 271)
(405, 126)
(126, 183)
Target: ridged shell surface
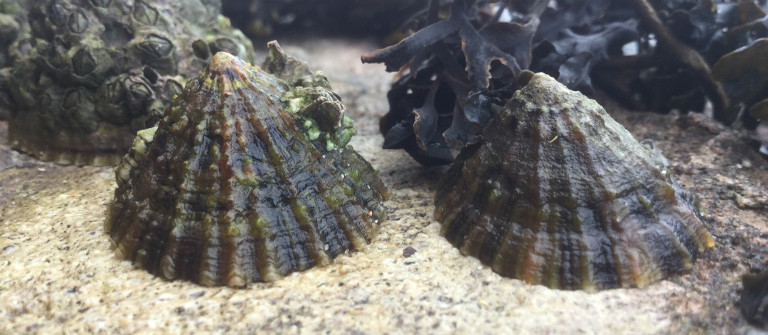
(229, 189)
(559, 194)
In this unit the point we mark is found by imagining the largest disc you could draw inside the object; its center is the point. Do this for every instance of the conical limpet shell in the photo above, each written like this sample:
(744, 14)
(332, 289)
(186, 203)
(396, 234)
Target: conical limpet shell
(559, 194)
(230, 189)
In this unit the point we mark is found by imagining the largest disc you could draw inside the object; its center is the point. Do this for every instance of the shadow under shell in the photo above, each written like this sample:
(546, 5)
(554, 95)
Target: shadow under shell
(557, 193)
(230, 190)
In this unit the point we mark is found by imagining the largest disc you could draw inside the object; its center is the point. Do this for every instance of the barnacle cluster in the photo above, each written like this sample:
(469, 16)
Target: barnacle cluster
(559, 194)
(248, 177)
(13, 27)
(90, 73)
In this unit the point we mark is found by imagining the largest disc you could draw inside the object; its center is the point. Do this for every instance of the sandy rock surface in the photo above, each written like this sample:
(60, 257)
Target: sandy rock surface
(58, 274)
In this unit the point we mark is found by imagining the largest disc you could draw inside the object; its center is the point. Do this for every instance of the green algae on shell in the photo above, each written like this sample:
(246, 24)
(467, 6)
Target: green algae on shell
(557, 193)
(88, 74)
(230, 189)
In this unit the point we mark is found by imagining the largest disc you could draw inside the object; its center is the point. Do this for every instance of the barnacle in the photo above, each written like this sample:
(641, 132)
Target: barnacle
(88, 74)
(559, 194)
(239, 184)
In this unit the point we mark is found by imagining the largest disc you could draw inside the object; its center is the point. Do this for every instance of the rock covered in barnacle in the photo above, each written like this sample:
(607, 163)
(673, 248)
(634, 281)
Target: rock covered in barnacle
(559, 194)
(231, 187)
(90, 73)
(13, 26)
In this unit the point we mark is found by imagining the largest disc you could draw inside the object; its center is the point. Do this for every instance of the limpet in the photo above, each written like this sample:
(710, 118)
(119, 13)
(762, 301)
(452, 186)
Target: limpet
(557, 193)
(247, 178)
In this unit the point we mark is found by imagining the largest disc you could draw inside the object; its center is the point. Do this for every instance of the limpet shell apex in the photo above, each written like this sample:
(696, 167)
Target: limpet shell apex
(228, 189)
(557, 193)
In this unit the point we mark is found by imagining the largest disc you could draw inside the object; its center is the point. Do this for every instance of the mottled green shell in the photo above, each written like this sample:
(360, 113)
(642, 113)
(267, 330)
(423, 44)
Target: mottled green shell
(230, 188)
(90, 73)
(559, 194)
